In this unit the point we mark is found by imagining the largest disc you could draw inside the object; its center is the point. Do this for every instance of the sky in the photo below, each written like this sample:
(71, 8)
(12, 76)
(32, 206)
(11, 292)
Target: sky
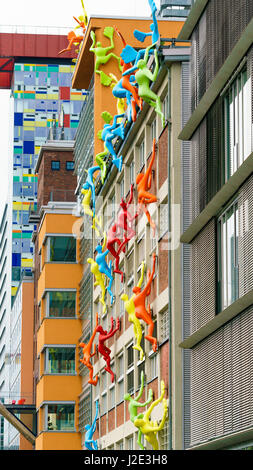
(48, 13)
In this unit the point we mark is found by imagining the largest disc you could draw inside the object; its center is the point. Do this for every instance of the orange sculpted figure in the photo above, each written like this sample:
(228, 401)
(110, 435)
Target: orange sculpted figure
(140, 308)
(143, 181)
(73, 40)
(87, 355)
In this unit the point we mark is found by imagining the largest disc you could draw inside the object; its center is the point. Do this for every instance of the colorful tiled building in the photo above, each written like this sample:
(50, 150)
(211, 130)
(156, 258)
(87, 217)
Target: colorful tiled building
(44, 102)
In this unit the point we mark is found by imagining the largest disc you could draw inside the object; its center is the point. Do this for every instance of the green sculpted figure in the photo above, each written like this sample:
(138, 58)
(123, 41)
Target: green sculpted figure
(103, 54)
(134, 404)
(143, 78)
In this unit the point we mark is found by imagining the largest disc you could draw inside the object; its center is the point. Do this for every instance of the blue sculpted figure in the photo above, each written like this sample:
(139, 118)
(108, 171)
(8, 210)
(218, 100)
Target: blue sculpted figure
(109, 132)
(120, 92)
(103, 266)
(89, 184)
(90, 443)
(129, 54)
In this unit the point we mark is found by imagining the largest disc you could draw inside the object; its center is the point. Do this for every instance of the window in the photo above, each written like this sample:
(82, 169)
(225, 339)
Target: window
(120, 445)
(130, 443)
(163, 223)
(228, 279)
(120, 397)
(165, 106)
(55, 165)
(164, 325)
(130, 369)
(103, 408)
(142, 154)
(237, 123)
(153, 130)
(60, 360)
(122, 189)
(61, 304)
(62, 249)
(70, 166)
(131, 173)
(60, 417)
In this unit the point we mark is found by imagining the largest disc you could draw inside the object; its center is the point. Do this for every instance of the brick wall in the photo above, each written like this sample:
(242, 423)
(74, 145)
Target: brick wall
(62, 183)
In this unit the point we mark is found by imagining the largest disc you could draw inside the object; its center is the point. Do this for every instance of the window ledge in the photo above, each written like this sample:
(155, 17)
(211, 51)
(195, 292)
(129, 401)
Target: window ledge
(219, 320)
(219, 200)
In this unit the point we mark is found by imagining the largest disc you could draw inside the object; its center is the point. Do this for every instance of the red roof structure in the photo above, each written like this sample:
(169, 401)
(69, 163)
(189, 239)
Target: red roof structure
(26, 45)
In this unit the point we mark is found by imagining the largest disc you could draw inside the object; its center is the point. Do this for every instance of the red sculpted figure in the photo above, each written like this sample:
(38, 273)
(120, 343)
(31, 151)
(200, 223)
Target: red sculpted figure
(143, 181)
(87, 355)
(125, 220)
(140, 308)
(104, 350)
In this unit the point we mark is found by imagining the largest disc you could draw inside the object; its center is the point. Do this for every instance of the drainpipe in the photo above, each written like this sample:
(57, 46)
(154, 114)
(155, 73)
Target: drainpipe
(169, 261)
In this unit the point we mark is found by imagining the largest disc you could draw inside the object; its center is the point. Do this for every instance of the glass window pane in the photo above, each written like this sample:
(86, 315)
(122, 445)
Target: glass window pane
(61, 418)
(62, 249)
(62, 304)
(60, 361)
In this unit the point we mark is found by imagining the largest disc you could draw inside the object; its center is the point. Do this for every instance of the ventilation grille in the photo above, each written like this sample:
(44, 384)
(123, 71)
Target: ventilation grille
(245, 242)
(203, 279)
(221, 383)
(216, 34)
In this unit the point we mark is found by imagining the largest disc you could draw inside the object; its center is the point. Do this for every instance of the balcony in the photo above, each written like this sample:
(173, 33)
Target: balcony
(56, 195)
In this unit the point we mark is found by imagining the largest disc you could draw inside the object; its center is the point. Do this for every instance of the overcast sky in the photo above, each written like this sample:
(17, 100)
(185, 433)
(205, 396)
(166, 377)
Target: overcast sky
(49, 13)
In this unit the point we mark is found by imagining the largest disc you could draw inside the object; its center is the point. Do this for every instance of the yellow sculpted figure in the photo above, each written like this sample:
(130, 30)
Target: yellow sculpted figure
(88, 210)
(99, 280)
(148, 427)
(130, 309)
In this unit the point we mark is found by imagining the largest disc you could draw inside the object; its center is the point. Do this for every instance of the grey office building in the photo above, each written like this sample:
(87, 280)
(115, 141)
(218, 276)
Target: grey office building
(219, 326)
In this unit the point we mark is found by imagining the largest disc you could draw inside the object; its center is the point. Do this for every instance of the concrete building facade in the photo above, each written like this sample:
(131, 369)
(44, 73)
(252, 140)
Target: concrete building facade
(114, 428)
(219, 230)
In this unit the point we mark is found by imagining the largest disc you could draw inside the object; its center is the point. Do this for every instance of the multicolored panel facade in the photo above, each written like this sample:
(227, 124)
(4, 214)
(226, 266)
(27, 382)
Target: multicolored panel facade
(42, 93)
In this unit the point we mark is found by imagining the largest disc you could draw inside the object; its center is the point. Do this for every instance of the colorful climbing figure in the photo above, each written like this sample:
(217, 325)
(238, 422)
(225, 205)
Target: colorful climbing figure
(87, 210)
(127, 86)
(130, 309)
(73, 40)
(125, 220)
(89, 184)
(134, 404)
(143, 181)
(89, 442)
(148, 427)
(143, 78)
(87, 355)
(83, 19)
(112, 240)
(104, 268)
(140, 304)
(109, 132)
(140, 36)
(99, 281)
(103, 54)
(120, 99)
(104, 350)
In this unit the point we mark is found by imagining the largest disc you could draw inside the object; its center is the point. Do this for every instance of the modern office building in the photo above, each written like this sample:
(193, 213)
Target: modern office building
(114, 427)
(57, 326)
(5, 308)
(42, 95)
(219, 232)
(21, 361)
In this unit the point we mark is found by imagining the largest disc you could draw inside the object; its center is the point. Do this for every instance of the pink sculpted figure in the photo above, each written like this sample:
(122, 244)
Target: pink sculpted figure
(104, 350)
(112, 239)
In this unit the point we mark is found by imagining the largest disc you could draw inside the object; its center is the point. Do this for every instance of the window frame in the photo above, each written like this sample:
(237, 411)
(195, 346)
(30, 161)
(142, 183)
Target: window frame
(55, 161)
